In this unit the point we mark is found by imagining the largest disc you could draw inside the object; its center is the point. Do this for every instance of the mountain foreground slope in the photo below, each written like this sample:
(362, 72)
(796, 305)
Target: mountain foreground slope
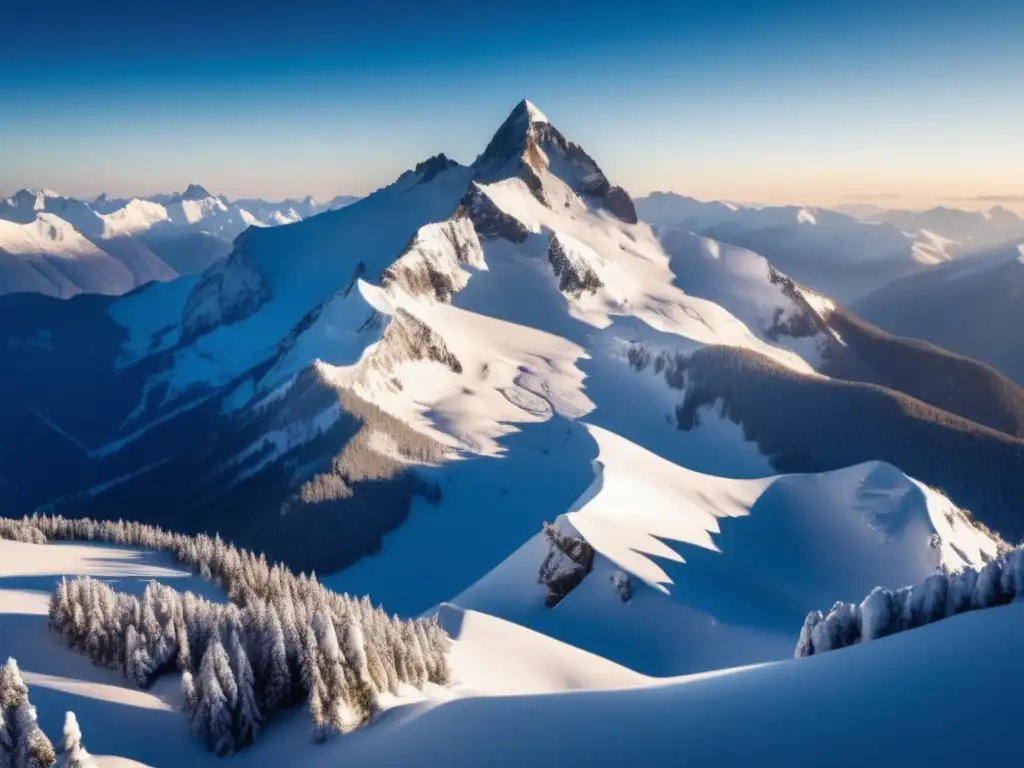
(399, 393)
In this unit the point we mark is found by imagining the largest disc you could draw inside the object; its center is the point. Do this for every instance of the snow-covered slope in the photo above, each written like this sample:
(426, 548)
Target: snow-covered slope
(720, 569)
(786, 713)
(399, 393)
(49, 256)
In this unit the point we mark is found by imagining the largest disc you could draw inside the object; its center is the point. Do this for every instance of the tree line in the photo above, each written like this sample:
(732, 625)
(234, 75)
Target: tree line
(283, 639)
(885, 612)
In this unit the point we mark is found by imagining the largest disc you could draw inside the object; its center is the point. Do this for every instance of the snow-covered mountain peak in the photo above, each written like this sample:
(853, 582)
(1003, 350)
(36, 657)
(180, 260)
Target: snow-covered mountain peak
(52, 227)
(529, 147)
(805, 216)
(432, 166)
(533, 114)
(193, 192)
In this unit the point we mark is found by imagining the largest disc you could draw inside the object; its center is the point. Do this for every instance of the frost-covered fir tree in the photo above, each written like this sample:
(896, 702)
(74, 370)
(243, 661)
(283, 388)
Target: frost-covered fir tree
(246, 720)
(276, 686)
(339, 700)
(71, 752)
(22, 742)
(189, 695)
(6, 743)
(211, 719)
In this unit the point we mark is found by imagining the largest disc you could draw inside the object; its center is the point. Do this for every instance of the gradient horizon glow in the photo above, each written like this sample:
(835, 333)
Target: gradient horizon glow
(749, 101)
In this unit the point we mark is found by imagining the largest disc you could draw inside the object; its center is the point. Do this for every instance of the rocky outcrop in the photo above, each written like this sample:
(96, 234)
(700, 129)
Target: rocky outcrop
(489, 220)
(432, 166)
(194, 192)
(431, 265)
(569, 560)
(407, 338)
(229, 291)
(575, 277)
(620, 204)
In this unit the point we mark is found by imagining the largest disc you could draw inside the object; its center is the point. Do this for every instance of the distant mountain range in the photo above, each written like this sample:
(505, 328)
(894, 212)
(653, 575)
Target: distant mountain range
(845, 255)
(974, 307)
(61, 246)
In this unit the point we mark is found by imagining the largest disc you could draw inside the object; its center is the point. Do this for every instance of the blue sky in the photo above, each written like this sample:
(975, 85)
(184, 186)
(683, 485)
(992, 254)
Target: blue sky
(782, 101)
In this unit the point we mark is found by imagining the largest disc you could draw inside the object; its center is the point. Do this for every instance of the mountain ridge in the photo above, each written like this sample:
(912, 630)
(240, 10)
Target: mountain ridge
(255, 345)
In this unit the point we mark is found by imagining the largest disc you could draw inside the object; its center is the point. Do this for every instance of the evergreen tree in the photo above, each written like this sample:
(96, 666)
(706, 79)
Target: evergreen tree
(60, 606)
(317, 693)
(247, 715)
(6, 743)
(72, 753)
(339, 699)
(189, 696)
(22, 742)
(212, 717)
(277, 683)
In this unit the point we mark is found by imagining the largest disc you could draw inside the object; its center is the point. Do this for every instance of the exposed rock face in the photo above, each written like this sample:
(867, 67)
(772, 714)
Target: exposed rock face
(431, 264)
(574, 276)
(194, 192)
(488, 219)
(432, 166)
(420, 279)
(409, 338)
(801, 322)
(619, 203)
(230, 290)
(620, 580)
(527, 138)
(568, 561)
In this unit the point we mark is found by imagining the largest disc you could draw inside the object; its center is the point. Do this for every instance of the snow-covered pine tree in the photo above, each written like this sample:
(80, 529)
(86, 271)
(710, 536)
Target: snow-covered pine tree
(841, 627)
(353, 648)
(988, 589)
(805, 644)
(60, 606)
(416, 665)
(183, 657)
(276, 683)
(879, 614)
(149, 626)
(6, 743)
(212, 717)
(246, 720)
(340, 702)
(316, 702)
(72, 754)
(189, 696)
(23, 743)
